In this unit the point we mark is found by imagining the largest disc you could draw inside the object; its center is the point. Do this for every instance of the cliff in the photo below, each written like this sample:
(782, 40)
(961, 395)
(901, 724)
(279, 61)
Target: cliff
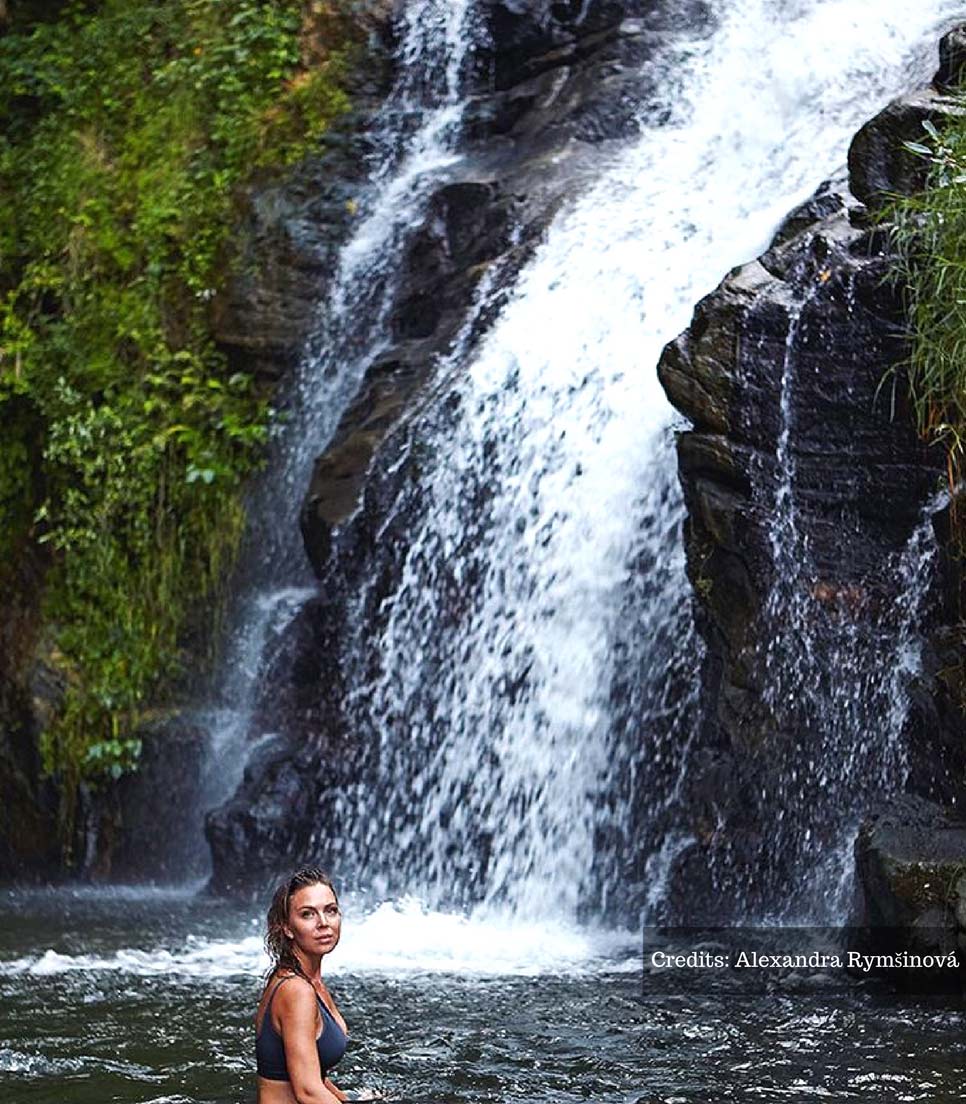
(815, 535)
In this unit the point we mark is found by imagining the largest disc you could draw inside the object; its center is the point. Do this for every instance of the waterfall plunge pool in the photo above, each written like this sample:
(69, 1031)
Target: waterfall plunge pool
(148, 996)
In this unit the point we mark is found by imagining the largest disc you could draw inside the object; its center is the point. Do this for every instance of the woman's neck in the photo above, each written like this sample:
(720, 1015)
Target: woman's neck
(311, 964)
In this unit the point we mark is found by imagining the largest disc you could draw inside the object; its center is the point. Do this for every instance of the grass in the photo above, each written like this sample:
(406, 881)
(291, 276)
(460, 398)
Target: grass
(929, 229)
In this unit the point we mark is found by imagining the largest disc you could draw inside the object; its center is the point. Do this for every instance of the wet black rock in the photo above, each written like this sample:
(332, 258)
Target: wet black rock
(821, 307)
(880, 164)
(911, 894)
(467, 227)
(952, 60)
(910, 856)
(251, 837)
(278, 815)
(823, 298)
(290, 225)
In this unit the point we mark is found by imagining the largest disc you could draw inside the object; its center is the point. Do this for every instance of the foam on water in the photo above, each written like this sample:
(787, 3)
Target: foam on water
(395, 938)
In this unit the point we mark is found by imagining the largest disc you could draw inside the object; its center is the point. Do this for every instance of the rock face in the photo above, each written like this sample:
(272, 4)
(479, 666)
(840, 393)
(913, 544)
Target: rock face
(820, 299)
(290, 228)
(552, 82)
(911, 862)
(274, 817)
(803, 447)
(910, 859)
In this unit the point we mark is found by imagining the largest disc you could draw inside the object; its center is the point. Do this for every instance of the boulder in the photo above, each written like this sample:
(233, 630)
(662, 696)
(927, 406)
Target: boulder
(952, 60)
(910, 856)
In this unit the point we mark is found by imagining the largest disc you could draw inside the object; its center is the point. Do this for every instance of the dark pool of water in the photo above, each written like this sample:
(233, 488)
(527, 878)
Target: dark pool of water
(166, 1020)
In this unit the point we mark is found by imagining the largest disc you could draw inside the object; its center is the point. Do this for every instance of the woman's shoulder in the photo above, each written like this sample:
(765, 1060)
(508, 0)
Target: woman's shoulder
(292, 988)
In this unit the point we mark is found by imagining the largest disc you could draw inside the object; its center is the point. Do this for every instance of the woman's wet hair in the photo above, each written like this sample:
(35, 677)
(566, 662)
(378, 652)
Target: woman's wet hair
(277, 943)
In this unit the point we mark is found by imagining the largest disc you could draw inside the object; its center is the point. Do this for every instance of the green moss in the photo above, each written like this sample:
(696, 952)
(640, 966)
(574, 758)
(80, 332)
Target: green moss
(127, 129)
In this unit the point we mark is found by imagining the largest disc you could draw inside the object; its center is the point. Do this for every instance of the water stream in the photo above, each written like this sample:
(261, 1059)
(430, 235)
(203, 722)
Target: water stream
(414, 141)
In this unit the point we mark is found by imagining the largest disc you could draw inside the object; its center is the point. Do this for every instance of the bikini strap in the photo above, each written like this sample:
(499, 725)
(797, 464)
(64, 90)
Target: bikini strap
(268, 1007)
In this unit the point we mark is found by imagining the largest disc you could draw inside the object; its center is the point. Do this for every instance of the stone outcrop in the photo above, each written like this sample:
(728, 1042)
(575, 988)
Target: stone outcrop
(290, 226)
(270, 821)
(466, 229)
(910, 859)
(828, 283)
(821, 310)
(911, 862)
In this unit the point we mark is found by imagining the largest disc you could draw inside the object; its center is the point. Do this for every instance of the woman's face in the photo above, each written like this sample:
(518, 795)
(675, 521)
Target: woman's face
(314, 919)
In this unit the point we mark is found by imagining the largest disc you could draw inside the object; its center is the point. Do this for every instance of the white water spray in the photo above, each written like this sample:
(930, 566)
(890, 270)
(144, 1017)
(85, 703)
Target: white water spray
(416, 140)
(494, 704)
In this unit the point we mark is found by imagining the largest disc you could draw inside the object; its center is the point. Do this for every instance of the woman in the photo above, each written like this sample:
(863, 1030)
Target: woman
(299, 1032)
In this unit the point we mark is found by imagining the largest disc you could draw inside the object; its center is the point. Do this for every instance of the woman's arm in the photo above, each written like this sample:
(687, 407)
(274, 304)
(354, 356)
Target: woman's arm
(335, 1090)
(298, 1016)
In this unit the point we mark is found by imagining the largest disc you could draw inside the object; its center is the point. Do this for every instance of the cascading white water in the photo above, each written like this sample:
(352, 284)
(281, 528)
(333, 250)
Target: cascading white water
(415, 139)
(548, 486)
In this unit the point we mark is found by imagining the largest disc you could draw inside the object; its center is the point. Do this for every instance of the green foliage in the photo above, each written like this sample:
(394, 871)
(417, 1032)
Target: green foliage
(18, 489)
(930, 232)
(126, 129)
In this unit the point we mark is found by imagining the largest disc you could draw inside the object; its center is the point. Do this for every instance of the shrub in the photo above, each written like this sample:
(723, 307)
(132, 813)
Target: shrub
(128, 128)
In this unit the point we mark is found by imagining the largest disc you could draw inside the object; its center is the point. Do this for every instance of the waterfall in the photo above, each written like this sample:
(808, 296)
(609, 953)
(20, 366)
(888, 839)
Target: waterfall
(415, 141)
(529, 679)
(523, 662)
